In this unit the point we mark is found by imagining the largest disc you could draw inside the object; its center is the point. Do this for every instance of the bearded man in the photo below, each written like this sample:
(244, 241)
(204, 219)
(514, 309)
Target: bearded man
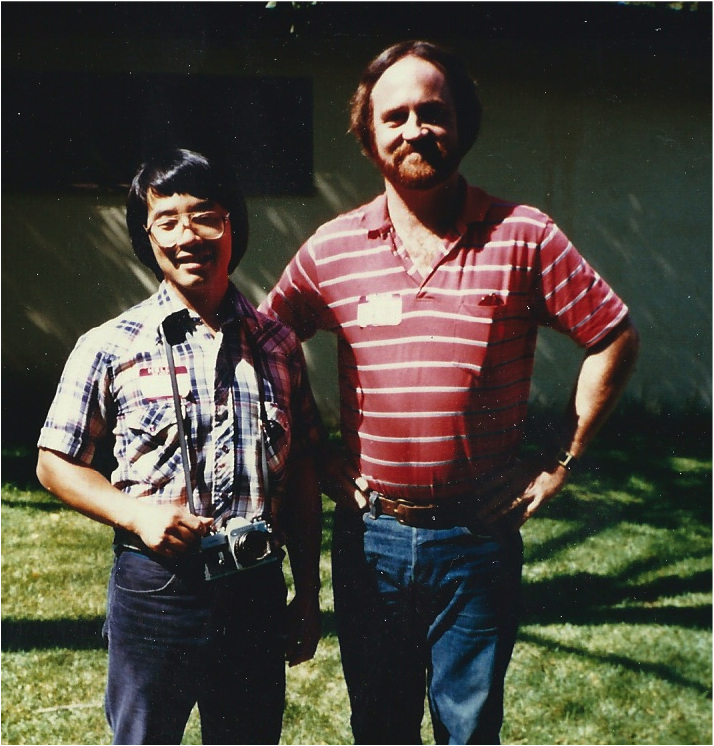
(435, 291)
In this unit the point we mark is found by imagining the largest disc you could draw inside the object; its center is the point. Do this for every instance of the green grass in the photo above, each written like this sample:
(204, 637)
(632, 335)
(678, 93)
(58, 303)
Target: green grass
(615, 645)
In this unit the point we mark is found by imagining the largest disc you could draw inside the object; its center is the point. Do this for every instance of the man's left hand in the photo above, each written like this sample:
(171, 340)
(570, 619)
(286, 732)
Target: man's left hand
(304, 629)
(514, 494)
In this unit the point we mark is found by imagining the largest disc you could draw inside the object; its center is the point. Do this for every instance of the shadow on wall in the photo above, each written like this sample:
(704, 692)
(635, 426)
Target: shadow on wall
(615, 145)
(72, 267)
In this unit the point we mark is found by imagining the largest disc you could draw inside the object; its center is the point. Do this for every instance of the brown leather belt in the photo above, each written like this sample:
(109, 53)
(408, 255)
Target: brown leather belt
(444, 515)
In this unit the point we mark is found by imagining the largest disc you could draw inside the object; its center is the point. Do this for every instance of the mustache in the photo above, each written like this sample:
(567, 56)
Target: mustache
(427, 147)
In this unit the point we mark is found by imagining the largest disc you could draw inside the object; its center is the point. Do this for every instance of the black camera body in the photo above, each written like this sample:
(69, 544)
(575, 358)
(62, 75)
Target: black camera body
(239, 545)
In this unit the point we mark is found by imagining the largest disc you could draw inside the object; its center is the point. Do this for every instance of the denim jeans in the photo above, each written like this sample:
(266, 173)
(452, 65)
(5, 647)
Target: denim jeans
(176, 640)
(424, 611)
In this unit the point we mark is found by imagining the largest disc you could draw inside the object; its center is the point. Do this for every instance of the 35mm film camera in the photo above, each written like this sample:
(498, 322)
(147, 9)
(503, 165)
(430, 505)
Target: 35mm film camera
(239, 545)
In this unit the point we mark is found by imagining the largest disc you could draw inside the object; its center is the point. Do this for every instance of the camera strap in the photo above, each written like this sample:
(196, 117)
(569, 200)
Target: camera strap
(265, 425)
(174, 332)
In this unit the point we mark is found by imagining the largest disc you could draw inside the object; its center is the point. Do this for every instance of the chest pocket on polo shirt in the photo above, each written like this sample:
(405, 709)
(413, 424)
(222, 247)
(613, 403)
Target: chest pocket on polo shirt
(152, 446)
(278, 443)
(490, 329)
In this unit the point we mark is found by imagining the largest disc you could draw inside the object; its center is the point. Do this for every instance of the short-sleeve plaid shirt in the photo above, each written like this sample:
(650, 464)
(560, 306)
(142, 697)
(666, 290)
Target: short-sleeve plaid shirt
(116, 383)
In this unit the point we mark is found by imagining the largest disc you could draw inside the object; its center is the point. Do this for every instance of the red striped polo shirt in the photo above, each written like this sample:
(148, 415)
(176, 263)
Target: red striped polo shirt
(435, 372)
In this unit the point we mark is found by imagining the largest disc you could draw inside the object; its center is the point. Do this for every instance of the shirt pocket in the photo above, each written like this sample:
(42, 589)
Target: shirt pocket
(489, 331)
(153, 449)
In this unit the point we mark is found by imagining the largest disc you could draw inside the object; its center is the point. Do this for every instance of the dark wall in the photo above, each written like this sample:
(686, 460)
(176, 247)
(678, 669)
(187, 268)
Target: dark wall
(599, 113)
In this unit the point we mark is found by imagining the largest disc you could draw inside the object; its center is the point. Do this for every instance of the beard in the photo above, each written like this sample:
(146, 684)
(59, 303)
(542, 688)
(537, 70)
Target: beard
(423, 165)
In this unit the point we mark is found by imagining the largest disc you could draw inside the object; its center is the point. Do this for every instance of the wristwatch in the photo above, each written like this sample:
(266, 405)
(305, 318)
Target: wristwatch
(566, 459)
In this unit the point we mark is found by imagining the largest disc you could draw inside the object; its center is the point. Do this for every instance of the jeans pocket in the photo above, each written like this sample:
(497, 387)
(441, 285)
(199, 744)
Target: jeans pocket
(135, 573)
(151, 605)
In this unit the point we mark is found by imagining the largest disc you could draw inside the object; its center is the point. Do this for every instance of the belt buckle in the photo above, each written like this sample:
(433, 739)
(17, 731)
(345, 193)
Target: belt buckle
(415, 515)
(402, 512)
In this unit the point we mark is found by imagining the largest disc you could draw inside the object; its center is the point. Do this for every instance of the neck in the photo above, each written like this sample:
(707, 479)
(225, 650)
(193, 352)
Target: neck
(435, 209)
(205, 301)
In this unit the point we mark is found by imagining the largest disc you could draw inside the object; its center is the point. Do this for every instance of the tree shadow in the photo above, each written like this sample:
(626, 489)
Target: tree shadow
(647, 475)
(42, 634)
(665, 673)
(587, 599)
(45, 506)
(329, 624)
(23, 635)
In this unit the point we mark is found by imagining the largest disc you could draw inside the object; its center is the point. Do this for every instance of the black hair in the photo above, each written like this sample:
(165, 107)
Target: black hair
(461, 85)
(183, 171)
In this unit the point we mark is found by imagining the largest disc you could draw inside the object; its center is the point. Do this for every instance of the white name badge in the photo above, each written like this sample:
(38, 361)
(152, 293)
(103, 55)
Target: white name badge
(155, 382)
(381, 309)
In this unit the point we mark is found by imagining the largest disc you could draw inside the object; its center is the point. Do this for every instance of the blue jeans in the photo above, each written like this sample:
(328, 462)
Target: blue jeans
(176, 640)
(424, 611)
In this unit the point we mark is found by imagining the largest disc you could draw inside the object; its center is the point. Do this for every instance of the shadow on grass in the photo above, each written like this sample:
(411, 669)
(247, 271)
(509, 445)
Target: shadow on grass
(44, 506)
(587, 599)
(43, 634)
(78, 634)
(641, 475)
(664, 673)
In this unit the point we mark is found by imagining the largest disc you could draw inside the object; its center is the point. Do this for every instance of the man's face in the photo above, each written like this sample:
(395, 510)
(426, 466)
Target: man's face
(189, 263)
(415, 135)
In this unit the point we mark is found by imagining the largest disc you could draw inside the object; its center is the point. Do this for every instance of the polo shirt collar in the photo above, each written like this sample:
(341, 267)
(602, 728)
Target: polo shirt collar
(376, 217)
(476, 205)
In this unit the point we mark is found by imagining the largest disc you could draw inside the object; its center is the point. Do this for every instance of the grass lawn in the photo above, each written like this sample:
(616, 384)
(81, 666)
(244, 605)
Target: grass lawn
(615, 645)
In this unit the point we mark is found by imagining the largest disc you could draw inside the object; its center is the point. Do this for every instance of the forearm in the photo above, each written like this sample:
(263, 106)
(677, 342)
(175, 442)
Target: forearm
(86, 490)
(301, 520)
(602, 379)
(303, 526)
(340, 479)
(166, 529)
(524, 487)
(304, 554)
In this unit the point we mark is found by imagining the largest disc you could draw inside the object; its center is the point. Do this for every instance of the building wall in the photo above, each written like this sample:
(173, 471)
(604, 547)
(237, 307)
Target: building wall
(610, 135)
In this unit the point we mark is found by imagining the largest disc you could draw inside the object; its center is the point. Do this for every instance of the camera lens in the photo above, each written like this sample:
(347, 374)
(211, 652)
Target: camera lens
(251, 547)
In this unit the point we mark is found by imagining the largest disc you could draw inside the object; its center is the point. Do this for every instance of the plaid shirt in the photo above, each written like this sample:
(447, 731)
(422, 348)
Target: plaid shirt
(116, 382)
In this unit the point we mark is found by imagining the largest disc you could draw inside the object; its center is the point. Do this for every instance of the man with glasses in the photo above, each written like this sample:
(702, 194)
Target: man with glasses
(213, 422)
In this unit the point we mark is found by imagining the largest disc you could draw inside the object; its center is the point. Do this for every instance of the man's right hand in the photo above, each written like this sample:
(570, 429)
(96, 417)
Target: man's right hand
(169, 530)
(341, 481)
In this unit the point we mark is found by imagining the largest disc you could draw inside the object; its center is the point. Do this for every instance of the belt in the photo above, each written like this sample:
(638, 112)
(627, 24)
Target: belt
(124, 541)
(131, 542)
(438, 516)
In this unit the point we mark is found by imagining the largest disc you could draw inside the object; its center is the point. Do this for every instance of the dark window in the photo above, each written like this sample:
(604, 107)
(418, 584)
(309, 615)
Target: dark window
(73, 130)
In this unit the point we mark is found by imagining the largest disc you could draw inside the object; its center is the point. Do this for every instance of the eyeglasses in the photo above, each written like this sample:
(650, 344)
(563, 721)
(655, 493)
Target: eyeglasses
(168, 229)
